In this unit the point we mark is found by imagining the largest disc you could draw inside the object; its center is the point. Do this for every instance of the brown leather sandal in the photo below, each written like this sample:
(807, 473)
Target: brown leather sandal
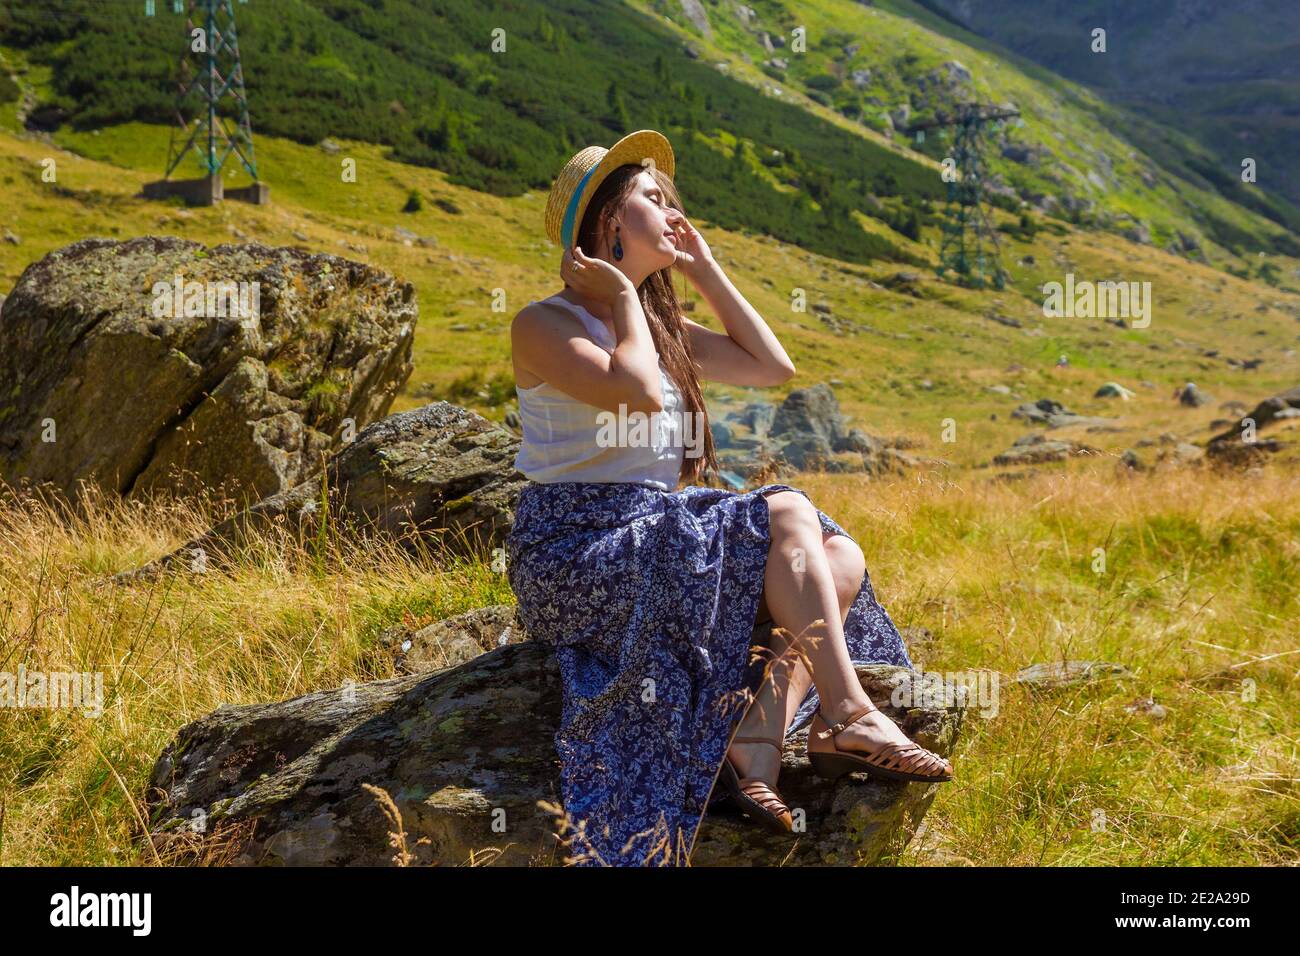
(890, 762)
(756, 799)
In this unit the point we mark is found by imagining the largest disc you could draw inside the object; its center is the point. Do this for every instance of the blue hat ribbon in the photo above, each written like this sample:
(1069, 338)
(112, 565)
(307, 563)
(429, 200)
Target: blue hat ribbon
(570, 213)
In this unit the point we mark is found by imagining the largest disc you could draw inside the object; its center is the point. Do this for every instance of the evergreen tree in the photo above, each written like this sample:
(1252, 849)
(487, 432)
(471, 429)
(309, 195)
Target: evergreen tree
(617, 109)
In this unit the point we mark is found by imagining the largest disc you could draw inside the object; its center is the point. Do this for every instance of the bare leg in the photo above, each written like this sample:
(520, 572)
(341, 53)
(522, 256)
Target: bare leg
(781, 694)
(800, 591)
(790, 677)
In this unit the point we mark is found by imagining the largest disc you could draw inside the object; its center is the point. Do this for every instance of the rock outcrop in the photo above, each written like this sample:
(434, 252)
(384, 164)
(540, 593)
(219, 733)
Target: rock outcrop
(439, 475)
(808, 432)
(466, 753)
(1284, 406)
(1240, 445)
(1049, 412)
(1035, 448)
(160, 364)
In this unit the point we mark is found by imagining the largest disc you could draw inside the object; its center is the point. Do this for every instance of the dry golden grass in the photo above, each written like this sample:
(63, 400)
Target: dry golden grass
(1198, 599)
(286, 619)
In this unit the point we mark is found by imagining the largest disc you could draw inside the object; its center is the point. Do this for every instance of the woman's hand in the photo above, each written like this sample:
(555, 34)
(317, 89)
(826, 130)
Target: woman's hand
(693, 253)
(594, 278)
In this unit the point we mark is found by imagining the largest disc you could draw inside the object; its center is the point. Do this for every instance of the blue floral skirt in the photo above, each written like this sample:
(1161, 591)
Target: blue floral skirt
(649, 599)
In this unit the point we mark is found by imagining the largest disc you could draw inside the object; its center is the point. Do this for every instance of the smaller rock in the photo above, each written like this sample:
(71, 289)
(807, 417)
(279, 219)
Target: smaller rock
(1184, 453)
(1113, 390)
(1147, 706)
(1132, 461)
(456, 640)
(1055, 675)
(1192, 396)
(1035, 448)
(857, 440)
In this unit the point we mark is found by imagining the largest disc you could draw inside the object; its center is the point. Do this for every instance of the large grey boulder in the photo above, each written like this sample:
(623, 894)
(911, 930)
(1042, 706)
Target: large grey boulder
(107, 375)
(436, 476)
(807, 412)
(466, 753)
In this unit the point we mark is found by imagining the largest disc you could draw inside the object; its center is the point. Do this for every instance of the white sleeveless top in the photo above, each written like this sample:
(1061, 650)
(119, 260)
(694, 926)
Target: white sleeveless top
(568, 440)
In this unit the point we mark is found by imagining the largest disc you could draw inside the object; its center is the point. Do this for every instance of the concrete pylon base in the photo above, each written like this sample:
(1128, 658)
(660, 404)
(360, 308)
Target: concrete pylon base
(206, 191)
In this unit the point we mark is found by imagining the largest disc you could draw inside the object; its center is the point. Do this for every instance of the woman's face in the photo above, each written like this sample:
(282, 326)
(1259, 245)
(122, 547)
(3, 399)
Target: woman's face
(648, 228)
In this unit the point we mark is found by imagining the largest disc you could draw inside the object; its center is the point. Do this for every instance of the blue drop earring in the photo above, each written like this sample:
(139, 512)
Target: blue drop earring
(618, 246)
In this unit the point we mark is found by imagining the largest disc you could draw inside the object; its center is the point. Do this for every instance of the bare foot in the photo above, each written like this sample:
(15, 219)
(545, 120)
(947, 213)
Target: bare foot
(875, 730)
(756, 760)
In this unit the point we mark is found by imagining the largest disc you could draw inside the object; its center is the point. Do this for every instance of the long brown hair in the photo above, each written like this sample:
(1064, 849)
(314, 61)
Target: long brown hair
(660, 304)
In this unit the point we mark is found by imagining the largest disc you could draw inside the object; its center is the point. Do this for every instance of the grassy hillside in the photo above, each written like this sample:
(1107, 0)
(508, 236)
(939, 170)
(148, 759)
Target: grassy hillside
(1099, 163)
(424, 79)
(1225, 73)
(475, 244)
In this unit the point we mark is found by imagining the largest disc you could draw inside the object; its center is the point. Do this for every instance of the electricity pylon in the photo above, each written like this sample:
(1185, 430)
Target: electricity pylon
(210, 71)
(970, 243)
(217, 74)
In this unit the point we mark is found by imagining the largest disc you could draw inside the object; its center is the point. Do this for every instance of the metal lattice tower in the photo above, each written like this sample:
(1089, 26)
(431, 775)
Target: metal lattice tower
(204, 78)
(970, 246)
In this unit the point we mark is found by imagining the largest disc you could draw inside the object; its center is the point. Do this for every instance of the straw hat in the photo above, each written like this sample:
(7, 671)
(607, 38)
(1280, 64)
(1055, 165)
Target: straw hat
(577, 182)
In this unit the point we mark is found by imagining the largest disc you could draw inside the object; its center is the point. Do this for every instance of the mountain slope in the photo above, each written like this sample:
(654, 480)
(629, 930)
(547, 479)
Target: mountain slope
(1229, 74)
(813, 166)
(895, 63)
(903, 353)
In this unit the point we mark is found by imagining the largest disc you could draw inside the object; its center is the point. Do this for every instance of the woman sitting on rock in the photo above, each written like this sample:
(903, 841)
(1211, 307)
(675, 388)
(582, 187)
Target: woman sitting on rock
(650, 592)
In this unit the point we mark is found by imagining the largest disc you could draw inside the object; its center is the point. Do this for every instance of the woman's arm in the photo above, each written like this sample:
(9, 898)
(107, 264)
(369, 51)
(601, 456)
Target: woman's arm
(548, 341)
(749, 353)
